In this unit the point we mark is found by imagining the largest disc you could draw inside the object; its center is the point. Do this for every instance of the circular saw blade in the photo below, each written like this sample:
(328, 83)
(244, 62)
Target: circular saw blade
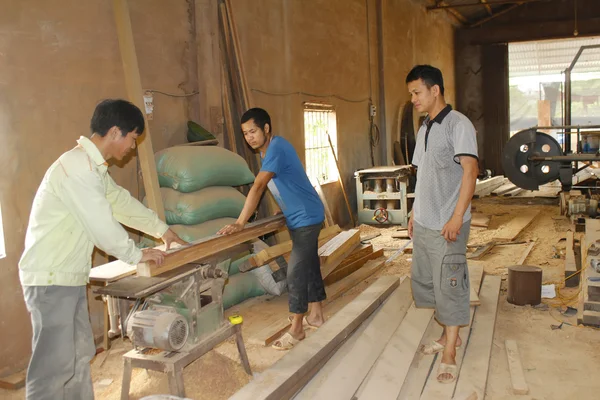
(523, 172)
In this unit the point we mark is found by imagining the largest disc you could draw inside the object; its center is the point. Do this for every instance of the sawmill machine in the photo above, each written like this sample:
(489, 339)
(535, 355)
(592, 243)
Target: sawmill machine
(182, 314)
(532, 158)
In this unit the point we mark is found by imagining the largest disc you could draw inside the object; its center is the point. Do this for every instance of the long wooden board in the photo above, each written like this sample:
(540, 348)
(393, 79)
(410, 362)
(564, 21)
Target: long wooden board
(133, 84)
(210, 246)
(296, 366)
(342, 272)
(389, 372)
(474, 372)
(517, 376)
(272, 332)
(515, 226)
(343, 380)
(328, 218)
(528, 250)
(475, 277)
(421, 365)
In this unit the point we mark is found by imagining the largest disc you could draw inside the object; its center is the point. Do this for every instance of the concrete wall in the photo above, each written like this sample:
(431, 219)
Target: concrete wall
(288, 47)
(57, 60)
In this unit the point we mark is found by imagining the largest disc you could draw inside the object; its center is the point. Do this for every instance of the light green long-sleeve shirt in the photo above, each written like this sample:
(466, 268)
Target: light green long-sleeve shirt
(79, 206)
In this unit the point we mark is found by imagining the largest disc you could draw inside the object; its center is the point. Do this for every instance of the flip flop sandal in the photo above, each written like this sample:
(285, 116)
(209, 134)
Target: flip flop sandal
(433, 348)
(286, 342)
(447, 369)
(305, 323)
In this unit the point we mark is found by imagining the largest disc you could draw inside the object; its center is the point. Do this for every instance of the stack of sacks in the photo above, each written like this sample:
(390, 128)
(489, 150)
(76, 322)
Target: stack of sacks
(199, 197)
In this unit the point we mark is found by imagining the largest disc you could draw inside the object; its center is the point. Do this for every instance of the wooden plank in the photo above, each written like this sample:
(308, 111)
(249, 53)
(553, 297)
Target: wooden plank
(14, 381)
(270, 333)
(112, 271)
(514, 192)
(475, 277)
(515, 226)
(210, 246)
(484, 188)
(422, 365)
(400, 235)
(479, 219)
(342, 272)
(517, 376)
(319, 189)
(295, 368)
(435, 390)
(341, 379)
(366, 238)
(133, 83)
(481, 251)
(337, 249)
(474, 371)
(391, 369)
(507, 187)
(270, 253)
(527, 251)
(358, 253)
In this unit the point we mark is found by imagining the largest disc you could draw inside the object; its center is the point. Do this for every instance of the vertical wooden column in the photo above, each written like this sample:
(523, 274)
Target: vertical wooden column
(133, 83)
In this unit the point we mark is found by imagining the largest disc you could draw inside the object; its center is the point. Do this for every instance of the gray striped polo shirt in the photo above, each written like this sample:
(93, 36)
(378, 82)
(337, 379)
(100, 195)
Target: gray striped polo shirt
(440, 143)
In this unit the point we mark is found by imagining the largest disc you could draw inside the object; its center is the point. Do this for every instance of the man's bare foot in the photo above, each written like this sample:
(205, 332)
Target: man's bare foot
(298, 335)
(448, 358)
(442, 341)
(315, 320)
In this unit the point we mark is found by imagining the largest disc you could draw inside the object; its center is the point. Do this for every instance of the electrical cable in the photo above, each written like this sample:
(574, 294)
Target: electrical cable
(311, 95)
(171, 94)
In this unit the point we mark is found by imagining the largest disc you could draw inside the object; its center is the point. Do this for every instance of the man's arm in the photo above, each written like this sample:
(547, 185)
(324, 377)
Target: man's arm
(83, 193)
(467, 187)
(256, 192)
(130, 212)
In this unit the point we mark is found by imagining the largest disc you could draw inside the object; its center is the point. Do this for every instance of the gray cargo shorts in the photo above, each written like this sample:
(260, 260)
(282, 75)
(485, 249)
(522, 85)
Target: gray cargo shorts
(440, 276)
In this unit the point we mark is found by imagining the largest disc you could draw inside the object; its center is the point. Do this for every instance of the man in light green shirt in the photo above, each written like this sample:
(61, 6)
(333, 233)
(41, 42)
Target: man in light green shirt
(77, 207)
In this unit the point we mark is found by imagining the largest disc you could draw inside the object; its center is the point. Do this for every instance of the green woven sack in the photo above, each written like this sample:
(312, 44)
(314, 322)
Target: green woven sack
(241, 287)
(201, 206)
(191, 233)
(190, 168)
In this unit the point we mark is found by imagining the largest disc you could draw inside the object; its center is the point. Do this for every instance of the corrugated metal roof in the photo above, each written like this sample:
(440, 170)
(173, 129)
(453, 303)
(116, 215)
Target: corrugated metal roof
(549, 57)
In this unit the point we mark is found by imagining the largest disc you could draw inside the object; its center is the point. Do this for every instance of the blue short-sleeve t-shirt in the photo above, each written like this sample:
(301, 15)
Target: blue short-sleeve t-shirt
(290, 186)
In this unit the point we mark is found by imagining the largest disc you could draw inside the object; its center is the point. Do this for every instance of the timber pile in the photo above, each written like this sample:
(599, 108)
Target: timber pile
(369, 349)
(487, 186)
(345, 263)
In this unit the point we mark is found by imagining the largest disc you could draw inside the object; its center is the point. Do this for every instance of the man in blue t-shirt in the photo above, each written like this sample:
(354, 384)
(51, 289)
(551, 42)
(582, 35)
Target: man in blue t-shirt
(283, 173)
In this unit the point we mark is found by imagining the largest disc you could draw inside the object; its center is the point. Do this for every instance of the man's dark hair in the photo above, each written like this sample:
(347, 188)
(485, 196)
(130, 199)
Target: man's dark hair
(430, 75)
(260, 117)
(120, 113)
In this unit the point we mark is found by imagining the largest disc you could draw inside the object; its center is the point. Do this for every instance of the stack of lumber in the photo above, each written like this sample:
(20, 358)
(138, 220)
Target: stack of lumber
(487, 186)
(369, 349)
(345, 263)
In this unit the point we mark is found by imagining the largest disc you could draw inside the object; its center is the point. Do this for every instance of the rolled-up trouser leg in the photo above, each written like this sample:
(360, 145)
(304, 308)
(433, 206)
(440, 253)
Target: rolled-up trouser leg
(305, 283)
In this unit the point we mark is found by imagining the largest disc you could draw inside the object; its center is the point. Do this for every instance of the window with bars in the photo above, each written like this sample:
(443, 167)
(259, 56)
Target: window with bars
(319, 130)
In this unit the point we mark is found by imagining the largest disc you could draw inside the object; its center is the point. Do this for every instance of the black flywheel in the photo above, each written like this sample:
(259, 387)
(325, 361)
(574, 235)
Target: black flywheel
(518, 166)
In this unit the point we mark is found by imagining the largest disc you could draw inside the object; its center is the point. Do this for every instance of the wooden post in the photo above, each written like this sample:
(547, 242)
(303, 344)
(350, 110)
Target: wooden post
(340, 178)
(133, 83)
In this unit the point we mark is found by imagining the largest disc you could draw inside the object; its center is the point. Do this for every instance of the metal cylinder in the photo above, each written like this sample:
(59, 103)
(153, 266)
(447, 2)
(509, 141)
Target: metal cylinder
(378, 185)
(524, 285)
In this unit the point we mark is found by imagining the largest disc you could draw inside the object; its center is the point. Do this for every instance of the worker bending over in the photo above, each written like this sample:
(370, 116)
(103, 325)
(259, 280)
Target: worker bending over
(79, 206)
(283, 173)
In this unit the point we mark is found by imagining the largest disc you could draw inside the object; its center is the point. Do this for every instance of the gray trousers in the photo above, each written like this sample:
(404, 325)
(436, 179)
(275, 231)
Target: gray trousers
(63, 343)
(304, 279)
(440, 276)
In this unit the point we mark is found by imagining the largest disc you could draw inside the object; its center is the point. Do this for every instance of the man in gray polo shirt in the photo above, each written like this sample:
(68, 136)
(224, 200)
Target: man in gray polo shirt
(446, 160)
